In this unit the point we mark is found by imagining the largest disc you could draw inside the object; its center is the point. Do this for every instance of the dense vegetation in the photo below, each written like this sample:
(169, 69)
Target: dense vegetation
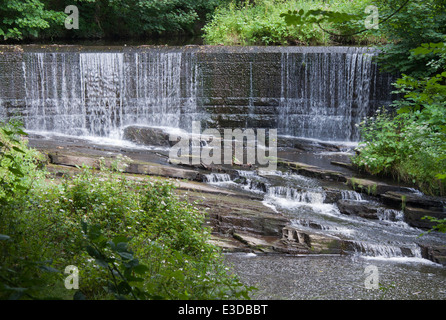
(34, 19)
(260, 23)
(134, 238)
(408, 142)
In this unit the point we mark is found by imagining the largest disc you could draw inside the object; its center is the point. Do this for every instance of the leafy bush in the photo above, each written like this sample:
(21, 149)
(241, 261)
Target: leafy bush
(411, 145)
(260, 22)
(135, 238)
(419, 22)
(24, 18)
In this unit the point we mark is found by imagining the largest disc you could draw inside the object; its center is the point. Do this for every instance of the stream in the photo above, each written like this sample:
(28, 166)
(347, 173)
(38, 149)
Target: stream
(388, 244)
(320, 93)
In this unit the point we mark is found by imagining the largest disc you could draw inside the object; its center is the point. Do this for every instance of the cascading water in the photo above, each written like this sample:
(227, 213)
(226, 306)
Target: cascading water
(318, 93)
(99, 93)
(324, 94)
(310, 208)
(311, 92)
(216, 178)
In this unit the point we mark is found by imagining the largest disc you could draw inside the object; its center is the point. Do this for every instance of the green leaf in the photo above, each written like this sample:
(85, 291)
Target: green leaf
(48, 269)
(140, 269)
(84, 226)
(93, 252)
(18, 149)
(126, 255)
(120, 239)
(16, 172)
(101, 262)
(94, 233)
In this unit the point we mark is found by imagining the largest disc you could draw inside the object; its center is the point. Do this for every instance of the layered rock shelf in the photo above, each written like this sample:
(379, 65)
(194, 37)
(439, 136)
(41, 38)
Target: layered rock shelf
(242, 221)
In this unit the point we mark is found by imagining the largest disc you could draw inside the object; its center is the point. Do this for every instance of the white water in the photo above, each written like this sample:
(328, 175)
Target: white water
(308, 207)
(99, 93)
(325, 94)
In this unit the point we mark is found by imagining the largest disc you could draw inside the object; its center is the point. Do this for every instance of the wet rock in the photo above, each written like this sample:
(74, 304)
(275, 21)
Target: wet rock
(164, 171)
(371, 187)
(134, 167)
(332, 195)
(358, 208)
(227, 243)
(229, 214)
(306, 144)
(313, 171)
(312, 242)
(401, 198)
(416, 207)
(258, 243)
(436, 254)
(148, 136)
(416, 217)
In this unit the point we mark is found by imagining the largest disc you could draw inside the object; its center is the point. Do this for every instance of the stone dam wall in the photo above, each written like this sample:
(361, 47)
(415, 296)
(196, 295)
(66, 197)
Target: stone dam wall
(312, 92)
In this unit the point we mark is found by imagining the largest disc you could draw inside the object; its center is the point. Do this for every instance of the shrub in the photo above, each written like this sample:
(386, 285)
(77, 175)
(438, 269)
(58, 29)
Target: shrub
(260, 23)
(104, 224)
(411, 144)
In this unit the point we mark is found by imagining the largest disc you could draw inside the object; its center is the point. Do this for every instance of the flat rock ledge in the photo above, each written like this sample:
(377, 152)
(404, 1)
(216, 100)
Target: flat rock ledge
(250, 226)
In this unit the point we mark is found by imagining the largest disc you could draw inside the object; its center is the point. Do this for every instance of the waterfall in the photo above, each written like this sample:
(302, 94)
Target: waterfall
(386, 250)
(99, 93)
(351, 195)
(310, 197)
(310, 92)
(324, 94)
(217, 178)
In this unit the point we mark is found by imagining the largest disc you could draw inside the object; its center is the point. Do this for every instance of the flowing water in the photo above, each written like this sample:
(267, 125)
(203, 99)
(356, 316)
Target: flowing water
(99, 93)
(314, 93)
(387, 243)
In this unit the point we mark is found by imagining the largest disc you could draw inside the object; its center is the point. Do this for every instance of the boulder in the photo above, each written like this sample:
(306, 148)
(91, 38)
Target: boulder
(148, 136)
(312, 242)
(358, 208)
(415, 217)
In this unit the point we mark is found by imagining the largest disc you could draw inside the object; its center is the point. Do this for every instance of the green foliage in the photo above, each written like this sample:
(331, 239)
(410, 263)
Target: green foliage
(270, 22)
(410, 145)
(18, 163)
(114, 255)
(418, 22)
(26, 18)
(134, 238)
(22, 274)
(102, 18)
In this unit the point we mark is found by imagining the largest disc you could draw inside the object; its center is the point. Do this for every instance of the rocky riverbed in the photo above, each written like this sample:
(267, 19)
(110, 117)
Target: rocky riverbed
(242, 203)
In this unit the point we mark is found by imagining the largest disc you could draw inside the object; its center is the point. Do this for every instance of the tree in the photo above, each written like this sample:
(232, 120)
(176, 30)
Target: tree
(26, 18)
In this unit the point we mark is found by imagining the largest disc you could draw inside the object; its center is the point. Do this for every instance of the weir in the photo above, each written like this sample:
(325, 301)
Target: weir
(311, 92)
(307, 92)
